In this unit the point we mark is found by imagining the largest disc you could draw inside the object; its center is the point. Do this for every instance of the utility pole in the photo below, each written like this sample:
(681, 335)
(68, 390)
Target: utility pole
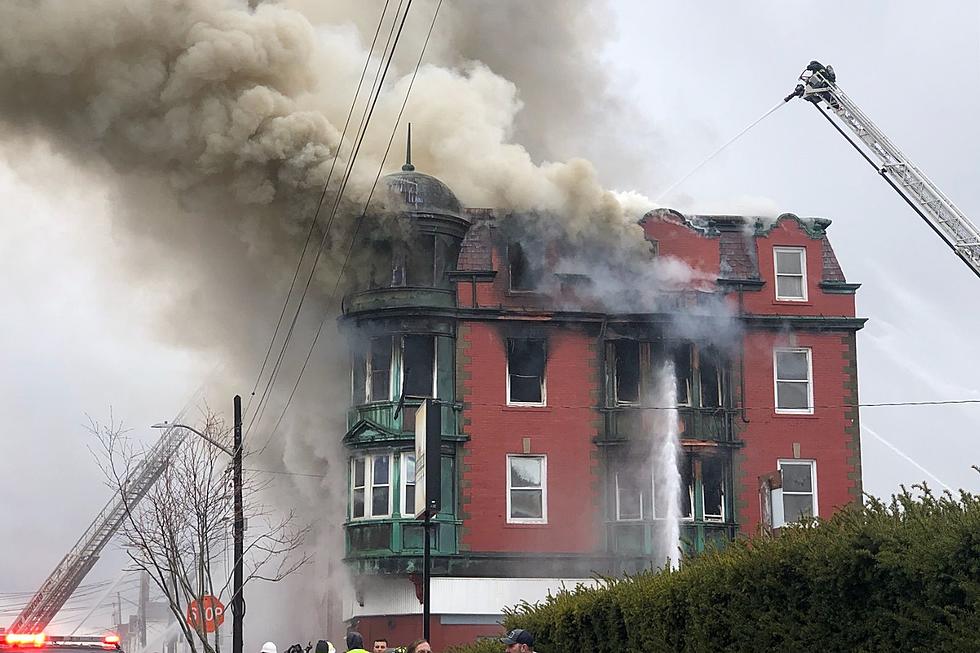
(238, 598)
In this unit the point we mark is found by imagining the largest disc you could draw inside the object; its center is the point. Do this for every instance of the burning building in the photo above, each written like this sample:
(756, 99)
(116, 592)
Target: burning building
(582, 436)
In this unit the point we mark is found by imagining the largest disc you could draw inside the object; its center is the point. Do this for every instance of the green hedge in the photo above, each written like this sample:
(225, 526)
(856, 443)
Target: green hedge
(896, 576)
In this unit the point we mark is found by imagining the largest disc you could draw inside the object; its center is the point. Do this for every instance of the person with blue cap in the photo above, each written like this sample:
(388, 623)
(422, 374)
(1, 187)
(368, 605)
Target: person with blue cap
(519, 641)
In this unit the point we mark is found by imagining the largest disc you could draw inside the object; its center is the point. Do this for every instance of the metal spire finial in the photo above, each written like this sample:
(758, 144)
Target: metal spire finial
(408, 167)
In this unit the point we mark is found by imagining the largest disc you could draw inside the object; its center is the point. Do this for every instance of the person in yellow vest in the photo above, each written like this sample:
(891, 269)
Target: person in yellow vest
(355, 642)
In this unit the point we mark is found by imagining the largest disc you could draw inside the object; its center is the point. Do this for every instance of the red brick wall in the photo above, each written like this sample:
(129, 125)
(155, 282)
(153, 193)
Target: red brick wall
(825, 436)
(402, 630)
(677, 240)
(563, 431)
(789, 233)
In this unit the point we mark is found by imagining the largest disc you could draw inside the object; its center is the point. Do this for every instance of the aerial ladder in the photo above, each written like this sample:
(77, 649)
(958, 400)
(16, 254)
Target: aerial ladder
(66, 577)
(818, 84)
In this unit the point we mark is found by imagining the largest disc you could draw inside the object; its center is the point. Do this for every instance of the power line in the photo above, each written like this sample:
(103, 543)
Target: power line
(319, 205)
(353, 239)
(365, 123)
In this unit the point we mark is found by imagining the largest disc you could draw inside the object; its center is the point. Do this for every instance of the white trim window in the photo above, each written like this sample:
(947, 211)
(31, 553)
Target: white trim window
(626, 372)
(370, 493)
(797, 499)
(408, 484)
(525, 372)
(630, 500)
(790, 266)
(793, 380)
(527, 489)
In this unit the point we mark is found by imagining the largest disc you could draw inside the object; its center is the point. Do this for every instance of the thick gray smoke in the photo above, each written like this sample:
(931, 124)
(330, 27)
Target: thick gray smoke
(214, 126)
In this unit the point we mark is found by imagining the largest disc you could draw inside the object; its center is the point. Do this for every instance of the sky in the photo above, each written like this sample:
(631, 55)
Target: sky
(78, 338)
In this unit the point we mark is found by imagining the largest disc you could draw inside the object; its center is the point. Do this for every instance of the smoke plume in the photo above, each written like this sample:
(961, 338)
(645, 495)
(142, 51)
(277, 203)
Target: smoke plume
(214, 127)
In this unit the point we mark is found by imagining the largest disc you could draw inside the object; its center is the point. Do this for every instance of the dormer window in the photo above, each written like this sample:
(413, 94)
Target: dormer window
(790, 274)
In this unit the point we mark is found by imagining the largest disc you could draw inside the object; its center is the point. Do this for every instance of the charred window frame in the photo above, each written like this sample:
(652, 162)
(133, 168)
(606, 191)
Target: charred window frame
(713, 482)
(526, 359)
(683, 357)
(370, 487)
(519, 274)
(710, 378)
(378, 374)
(419, 365)
(687, 488)
(627, 372)
(421, 261)
(527, 489)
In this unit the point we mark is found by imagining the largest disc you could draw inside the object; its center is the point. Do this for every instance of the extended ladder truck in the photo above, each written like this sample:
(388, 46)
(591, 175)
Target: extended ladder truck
(818, 85)
(66, 577)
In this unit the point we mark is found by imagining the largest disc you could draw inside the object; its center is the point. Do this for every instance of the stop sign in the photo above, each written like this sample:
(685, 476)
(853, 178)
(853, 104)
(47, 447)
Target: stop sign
(209, 611)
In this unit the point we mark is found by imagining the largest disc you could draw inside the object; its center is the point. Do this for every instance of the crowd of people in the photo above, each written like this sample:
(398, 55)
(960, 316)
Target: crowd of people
(516, 641)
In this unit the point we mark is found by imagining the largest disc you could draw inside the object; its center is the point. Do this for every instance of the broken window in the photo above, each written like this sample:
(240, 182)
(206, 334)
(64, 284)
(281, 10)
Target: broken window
(687, 488)
(794, 392)
(519, 269)
(627, 375)
(379, 369)
(525, 371)
(682, 369)
(418, 365)
(710, 379)
(380, 265)
(358, 377)
(713, 489)
(398, 265)
(408, 484)
(421, 262)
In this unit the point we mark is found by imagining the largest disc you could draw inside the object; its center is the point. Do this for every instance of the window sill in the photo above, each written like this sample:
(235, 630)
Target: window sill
(525, 525)
(524, 407)
(796, 415)
(792, 302)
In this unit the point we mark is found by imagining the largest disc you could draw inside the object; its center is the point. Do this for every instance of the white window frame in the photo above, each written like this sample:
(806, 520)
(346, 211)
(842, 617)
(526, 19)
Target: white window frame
(368, 459)
(544, 490)
(653, 504)
(406, 509)
(544, 375)
(775, 266)
(368, 376)
(435, 362)
(715, 518)
(778, 509)
(809, 382)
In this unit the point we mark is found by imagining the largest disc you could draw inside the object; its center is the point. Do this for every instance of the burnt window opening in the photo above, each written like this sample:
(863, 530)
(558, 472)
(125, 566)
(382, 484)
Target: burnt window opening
(710, 379)
(380, 265)
(519, 269)
(654, 246)
(683, 355)
(626, 379)
(525, 371)
(418, 365)
(687, 488)
(713, 489)
(379, 369)
(399, 262)
(421, 262)
(358, 378)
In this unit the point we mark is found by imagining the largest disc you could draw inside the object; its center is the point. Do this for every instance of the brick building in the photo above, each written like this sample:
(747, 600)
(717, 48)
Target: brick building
(545, 405)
